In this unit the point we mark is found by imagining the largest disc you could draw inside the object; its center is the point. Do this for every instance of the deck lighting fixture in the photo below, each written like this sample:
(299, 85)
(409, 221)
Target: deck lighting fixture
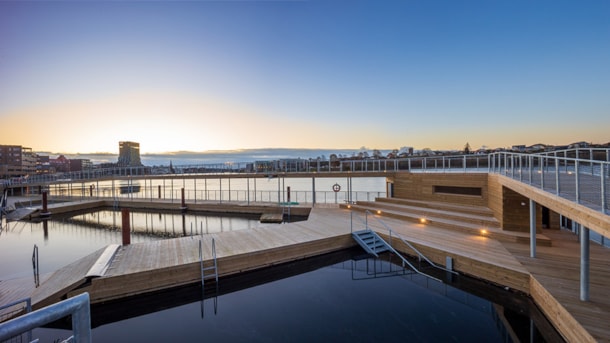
(483, 232)
(349, 206)
(378, 211)
(422, 220)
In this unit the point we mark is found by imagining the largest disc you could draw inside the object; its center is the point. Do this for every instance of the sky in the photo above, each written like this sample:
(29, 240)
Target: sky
(80, 76)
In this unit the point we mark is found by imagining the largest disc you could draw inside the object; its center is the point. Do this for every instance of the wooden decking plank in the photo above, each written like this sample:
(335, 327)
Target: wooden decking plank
(557, 269)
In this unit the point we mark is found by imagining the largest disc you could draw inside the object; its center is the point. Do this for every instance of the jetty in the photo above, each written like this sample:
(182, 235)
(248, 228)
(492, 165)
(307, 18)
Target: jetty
(495, 226)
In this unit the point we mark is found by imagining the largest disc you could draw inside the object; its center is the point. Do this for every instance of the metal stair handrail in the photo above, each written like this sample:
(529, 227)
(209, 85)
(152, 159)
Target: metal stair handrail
(420, 255)
(404, 260)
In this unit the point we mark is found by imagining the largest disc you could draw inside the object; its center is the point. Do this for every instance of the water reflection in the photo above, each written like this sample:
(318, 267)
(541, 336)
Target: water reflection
(166, 225)
(64, 239)
(334, 297)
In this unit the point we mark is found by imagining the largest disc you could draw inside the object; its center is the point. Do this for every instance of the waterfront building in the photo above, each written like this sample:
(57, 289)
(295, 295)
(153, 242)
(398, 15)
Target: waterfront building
(16, 161)
(129, 154)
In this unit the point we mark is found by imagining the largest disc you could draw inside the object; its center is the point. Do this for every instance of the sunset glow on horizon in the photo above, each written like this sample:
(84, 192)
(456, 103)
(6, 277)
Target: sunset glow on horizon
(79, 77)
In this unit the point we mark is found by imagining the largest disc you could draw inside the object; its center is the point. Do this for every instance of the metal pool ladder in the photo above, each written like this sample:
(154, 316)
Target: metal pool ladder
(208, 272)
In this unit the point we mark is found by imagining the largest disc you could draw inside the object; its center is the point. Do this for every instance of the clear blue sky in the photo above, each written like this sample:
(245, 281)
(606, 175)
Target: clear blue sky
(214, 75)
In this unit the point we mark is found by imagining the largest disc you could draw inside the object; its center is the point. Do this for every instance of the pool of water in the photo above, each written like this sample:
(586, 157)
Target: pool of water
(330, 298)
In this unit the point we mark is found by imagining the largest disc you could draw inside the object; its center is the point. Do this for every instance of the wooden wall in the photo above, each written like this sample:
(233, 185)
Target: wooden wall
(420, 186)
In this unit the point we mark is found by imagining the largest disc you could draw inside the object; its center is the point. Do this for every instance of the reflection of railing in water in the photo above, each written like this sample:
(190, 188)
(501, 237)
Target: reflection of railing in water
(36, 266)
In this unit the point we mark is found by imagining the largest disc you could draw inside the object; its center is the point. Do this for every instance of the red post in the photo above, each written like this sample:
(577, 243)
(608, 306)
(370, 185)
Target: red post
(44, 203)
(183, 203)
(126, 230)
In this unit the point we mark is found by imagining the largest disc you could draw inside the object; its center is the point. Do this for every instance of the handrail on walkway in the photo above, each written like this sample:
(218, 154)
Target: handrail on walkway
(77, 307)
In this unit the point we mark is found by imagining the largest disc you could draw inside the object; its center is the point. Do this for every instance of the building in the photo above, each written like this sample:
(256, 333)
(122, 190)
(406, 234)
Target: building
(129, 154)
(16, 161)
(80, 164)
(61, 164)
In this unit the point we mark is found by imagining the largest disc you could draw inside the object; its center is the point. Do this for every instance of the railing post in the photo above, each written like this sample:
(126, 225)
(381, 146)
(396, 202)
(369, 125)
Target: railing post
(556, 176)
(521, 168)
(541, 173)
(602, 176)
(577, 181)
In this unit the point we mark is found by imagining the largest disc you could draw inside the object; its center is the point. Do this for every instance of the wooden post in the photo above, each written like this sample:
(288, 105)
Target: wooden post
(183, 202)
(45, 211)
(126, 229)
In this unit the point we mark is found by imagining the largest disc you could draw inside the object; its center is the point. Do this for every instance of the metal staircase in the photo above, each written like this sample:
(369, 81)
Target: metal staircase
(371, 242)
(374, 245)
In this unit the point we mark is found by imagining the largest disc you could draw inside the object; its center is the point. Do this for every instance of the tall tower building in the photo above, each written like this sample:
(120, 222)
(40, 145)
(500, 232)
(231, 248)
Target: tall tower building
(129, 154)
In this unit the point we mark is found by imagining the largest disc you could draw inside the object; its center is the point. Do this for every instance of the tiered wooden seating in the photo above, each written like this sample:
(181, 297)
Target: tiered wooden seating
(475, 220)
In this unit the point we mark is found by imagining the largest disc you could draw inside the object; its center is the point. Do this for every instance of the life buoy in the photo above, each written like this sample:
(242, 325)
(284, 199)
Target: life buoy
(336, 187)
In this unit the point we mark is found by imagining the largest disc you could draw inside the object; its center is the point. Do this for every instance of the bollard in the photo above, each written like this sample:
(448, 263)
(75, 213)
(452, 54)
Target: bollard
(91, 191)
(159, 190)
(126, 230)
(288, 193)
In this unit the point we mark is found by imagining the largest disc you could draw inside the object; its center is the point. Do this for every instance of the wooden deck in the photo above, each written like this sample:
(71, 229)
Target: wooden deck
(551, 278)
(556, 285)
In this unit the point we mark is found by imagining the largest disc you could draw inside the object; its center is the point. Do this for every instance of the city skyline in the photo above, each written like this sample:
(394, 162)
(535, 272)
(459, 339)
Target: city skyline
(78, 77)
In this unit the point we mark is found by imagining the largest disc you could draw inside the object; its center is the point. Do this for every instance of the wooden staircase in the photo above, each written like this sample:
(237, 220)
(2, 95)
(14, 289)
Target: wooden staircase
(476, 220)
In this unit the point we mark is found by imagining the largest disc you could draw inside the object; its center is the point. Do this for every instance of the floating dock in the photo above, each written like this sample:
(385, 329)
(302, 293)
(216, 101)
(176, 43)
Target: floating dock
(498, 256)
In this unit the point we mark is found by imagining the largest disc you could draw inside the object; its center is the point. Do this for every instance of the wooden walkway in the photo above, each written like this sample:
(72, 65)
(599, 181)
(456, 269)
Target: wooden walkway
(551, 278)
(556, 275)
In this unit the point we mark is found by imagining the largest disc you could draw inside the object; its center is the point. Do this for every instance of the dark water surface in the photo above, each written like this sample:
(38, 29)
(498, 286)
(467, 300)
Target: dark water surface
(307, 301)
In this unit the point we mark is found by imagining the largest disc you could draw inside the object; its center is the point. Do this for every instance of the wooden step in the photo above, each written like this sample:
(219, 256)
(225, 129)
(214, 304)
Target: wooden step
(476, 210)
(425, 212)
(494, 231)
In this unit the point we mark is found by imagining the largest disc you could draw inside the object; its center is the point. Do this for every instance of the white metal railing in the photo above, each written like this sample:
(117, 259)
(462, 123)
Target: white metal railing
(583, 181)
(77, 307)
(582, 178)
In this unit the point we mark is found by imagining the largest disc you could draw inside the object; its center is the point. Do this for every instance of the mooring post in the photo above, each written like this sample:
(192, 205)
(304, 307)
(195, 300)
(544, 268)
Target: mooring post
(159, 191)
(45, 210)
(126, 230)
(183, 202)
(288, 193)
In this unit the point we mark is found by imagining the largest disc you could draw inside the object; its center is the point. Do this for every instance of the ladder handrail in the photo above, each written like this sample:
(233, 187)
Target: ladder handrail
(404, 260)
